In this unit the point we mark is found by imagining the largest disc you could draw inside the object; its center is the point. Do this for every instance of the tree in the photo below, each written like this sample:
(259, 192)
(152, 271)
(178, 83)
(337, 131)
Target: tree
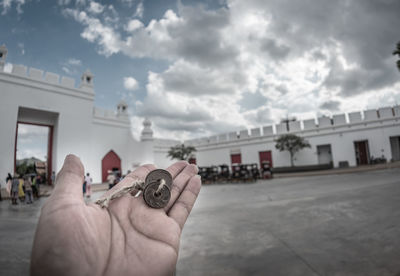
(25, 168)
(181, 152)
(291, 143)
(397, 52)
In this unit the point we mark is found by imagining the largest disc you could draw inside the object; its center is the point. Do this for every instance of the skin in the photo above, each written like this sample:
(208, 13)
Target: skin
(128, 238)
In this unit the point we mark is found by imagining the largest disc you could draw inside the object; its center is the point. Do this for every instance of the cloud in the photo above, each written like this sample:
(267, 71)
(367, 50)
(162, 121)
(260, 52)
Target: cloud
(7, 4)
(139, 10)
(128, 3)
(64, 2)
(71, 66)
(21, 46)
(25, 129)
(74, 61)
(253, 62)
(133, 25)
(275, 50)
(96, 31)
(95, 7)
(330, 105)
(189, 78)
(251, 101)
(79, 3)
(32, 141)
(131, 83)
(39, 153)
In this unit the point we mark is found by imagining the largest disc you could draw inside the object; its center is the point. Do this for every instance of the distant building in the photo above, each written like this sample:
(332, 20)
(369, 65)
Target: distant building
(354, 139)
(101, 138)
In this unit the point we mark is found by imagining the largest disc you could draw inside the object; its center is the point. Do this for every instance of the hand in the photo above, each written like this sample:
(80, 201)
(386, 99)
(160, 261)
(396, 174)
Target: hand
(128, 238)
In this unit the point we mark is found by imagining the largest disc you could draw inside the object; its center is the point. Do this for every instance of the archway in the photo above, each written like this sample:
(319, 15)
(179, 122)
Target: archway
(110, 161)
(31, 122)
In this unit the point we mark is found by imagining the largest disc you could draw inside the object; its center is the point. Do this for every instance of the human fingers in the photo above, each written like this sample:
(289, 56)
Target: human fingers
(69, 180)
(179, 184)
(184, 204)
(176, 168)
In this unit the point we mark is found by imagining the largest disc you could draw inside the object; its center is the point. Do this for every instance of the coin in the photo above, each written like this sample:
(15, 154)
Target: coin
(157, 188)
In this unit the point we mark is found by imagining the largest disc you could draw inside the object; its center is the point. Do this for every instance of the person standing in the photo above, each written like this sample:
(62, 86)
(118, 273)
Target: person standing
(53, 178)
(34, 187)
(8, 184)
(38, 182)
(21, 193)
(88, 181)
(14, 190)
(84, 185)
(28, 190)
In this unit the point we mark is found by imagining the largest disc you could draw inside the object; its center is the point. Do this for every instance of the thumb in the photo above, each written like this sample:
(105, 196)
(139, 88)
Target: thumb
(69, 180)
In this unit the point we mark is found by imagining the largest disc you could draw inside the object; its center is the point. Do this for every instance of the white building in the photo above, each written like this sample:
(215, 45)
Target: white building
(353, 138)
(103, 138)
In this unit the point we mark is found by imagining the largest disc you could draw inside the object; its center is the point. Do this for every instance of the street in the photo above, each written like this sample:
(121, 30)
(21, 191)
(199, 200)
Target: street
(317, 225)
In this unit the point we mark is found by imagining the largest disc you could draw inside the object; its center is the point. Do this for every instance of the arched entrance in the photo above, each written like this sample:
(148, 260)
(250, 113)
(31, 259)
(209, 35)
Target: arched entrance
(36, 119)
(110, 161)
(45, 172)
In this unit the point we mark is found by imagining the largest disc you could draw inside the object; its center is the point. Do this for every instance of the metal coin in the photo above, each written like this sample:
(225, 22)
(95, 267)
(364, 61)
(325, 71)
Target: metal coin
(154, 195)
(156, 175)
(156, 199)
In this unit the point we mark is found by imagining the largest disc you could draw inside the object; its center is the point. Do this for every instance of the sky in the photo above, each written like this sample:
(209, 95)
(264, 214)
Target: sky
(32, 141)
(198, 68)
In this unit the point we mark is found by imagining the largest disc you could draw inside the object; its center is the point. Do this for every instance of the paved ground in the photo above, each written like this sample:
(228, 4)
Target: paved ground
(321, 225)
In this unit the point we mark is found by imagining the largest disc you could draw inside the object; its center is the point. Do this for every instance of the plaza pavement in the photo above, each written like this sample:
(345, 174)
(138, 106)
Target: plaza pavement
(345, 224)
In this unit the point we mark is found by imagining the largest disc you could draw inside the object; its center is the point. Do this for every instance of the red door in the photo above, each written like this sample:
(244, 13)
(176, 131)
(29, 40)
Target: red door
(265, 156)
(236, 158)
(361, 148)
(110, 161)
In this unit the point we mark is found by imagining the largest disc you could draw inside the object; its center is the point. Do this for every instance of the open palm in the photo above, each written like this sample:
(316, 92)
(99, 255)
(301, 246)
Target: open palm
(128, 238)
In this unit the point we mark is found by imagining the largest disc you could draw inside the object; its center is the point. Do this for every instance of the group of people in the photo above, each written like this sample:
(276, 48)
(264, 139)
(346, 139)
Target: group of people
(24, 188)
(114, 177)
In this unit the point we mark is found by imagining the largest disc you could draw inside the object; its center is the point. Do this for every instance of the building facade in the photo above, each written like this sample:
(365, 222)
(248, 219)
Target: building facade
(345, 139)
(101, 138)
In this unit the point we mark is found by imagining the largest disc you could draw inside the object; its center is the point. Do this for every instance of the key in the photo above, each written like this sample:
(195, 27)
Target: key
(156, 190)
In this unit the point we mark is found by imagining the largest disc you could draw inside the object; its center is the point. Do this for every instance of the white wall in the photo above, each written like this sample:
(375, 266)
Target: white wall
(338, 133)
(78, 127)
(73, 106)
(161, 160)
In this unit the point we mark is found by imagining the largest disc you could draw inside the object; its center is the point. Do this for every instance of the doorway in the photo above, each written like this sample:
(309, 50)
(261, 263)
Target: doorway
(362, 152)
(110, 162)
(33, 151)
(236, 158)
(324, 154)
(265, 156)
(395, 147)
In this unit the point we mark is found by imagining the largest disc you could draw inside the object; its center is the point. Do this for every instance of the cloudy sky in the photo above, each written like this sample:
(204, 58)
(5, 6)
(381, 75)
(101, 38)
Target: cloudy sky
(197, 68)
(32, 141)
